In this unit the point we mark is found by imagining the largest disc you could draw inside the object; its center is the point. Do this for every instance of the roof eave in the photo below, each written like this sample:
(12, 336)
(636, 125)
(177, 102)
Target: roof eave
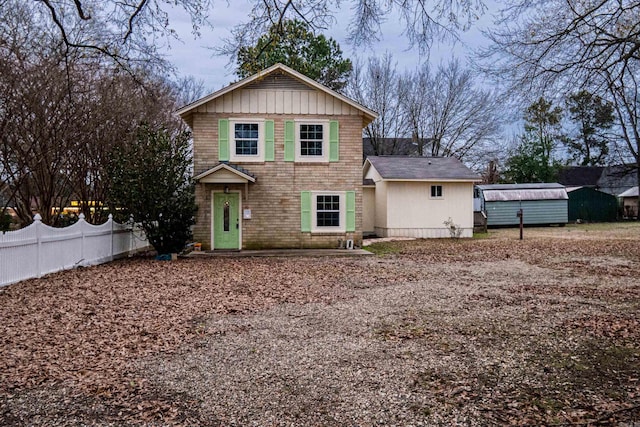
(226, 167)
(432, 179)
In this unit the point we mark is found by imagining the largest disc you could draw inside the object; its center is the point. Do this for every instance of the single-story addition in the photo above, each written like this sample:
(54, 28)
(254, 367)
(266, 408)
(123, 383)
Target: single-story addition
(415, 196)
(277, 162)
(630, 203)
(542, 204)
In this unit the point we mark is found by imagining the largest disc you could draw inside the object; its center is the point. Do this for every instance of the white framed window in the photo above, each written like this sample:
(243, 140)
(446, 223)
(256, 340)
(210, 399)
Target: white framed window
(328, 211)
(246, 141)
(312, 141)
(436, 192)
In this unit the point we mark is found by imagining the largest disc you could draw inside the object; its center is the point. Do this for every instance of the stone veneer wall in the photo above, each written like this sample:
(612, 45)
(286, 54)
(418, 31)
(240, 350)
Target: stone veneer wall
(274, 198)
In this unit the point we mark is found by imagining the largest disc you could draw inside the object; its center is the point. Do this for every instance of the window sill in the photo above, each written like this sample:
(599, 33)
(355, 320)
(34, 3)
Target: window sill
(319, 163)
(253, 162)
(327, 233)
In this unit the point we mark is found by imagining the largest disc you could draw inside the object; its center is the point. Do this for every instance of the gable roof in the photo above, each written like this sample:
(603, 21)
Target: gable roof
(401, 168)
(618, 178)
(235, 170)
(580, 176)
(632, 192)
(187, 110)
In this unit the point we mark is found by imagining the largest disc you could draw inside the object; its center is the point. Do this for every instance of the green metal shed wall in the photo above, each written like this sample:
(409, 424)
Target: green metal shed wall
(588, 204)
(535, 212)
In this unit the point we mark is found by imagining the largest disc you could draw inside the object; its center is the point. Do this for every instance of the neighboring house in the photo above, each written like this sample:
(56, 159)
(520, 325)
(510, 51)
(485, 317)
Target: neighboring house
(580, 176)
(415, 196)
(630, 203)
(277, 162)
(391, 146)
(542, 204)
(617, 179)
(589, 204)
(610, 179)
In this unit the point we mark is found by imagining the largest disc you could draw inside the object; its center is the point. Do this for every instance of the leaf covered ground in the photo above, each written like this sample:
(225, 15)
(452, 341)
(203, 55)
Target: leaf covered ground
(494, 330)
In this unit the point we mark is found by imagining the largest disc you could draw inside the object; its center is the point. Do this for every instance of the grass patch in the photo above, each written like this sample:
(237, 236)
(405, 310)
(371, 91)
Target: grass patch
(479, 236)
(603, 226)
(383, 248)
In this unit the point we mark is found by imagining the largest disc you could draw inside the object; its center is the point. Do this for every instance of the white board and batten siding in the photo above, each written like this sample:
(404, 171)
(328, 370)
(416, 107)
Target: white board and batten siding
(278, 101)
(411, 212)
(38, 249)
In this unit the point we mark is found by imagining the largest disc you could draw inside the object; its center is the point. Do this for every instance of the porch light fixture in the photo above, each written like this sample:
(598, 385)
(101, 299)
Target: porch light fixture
(226, 189)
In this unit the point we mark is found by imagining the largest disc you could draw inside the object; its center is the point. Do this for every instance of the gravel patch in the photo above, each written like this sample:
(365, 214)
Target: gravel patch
(492, 331)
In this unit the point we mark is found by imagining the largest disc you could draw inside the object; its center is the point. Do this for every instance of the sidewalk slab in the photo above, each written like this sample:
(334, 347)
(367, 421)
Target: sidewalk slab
(280, 253)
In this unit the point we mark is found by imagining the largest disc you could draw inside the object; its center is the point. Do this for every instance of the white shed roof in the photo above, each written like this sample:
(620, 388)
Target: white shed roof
(632, 192)
(525, 194)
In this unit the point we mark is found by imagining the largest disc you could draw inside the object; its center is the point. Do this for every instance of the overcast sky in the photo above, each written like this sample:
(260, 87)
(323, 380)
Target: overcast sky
(193, 56)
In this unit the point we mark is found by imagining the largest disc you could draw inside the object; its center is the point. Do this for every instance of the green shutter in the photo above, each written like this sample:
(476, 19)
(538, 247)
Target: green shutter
(269, 141)
(305, 211)
(289, 141)
(334, 141)
(223, 140)
(351, 211)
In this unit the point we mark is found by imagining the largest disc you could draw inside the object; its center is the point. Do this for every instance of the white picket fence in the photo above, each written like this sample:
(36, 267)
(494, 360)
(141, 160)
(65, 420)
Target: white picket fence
(39, 249)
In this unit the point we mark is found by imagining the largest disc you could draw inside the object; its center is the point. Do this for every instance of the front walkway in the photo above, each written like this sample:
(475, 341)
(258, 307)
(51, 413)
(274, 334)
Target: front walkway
(282, 253)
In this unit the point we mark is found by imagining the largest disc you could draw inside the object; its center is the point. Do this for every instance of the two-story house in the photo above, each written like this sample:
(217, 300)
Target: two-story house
(277, 163)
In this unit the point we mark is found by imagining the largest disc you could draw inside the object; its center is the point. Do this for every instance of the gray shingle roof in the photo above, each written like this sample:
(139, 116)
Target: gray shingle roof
(422, 168)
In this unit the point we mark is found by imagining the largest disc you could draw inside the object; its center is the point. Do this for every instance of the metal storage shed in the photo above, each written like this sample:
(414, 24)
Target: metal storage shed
(630, 203)
(542, 204)
(589, 204)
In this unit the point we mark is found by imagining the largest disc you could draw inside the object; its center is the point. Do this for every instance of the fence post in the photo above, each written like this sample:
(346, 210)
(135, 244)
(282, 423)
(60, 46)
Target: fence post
(82, 227)
(111, 222)
(37, 222)
(132, 236)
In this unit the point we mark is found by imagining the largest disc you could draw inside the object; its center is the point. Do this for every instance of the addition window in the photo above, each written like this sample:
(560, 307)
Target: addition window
(246, 139)
(436, 191)
(312, 141)
(328, 210)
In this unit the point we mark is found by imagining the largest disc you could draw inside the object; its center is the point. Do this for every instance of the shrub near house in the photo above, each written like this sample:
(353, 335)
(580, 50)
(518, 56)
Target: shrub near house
(277, 161)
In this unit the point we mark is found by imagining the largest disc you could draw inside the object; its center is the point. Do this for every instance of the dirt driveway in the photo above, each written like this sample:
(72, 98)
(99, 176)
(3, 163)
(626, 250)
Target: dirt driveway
(441, 332)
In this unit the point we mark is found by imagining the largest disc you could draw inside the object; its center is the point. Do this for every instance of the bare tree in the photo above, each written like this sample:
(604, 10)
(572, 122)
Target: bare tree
(413, 92)
(449, 114)
(625, 92)
(569, 45)
(376, 86)
(537, 44)
(189, 89)
(126, 32)
(60, 116)
(424, 21)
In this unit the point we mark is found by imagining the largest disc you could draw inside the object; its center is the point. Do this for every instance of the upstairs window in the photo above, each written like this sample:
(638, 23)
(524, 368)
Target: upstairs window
(436, 191)
(311, 140)
(245, 140)
(246, 136)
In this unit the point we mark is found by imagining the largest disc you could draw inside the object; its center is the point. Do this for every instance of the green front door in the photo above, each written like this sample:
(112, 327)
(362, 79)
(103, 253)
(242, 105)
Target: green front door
(226, 221)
